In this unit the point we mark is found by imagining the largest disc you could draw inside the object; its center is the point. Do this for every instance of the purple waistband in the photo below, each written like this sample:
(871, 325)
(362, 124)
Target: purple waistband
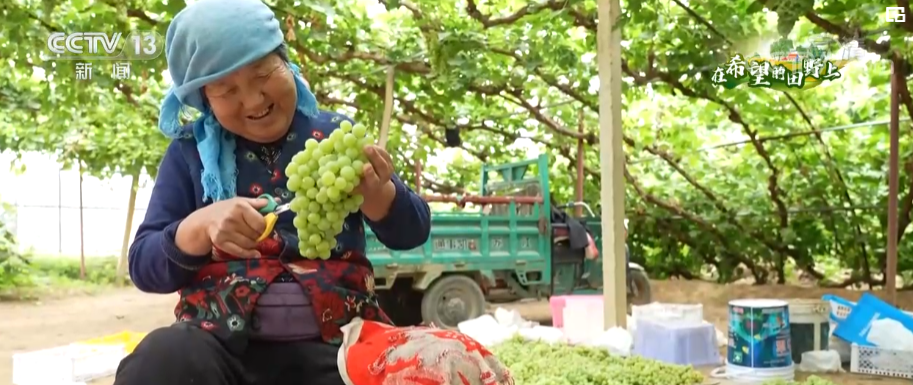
(284, 313)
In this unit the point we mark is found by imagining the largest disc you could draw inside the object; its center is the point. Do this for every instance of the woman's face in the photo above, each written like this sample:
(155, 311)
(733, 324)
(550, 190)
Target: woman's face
(256, 102)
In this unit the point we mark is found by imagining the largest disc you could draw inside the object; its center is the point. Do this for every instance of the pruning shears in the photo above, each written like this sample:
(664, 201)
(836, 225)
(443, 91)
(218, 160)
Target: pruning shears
(271, 212)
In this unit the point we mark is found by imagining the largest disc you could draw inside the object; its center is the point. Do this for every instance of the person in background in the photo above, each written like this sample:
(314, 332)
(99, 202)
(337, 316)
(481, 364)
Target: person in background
(257, 313)
(627, 252)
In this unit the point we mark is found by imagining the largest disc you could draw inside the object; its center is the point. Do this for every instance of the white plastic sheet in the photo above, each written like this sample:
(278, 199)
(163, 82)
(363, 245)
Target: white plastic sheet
(823, 361)
(890, 334)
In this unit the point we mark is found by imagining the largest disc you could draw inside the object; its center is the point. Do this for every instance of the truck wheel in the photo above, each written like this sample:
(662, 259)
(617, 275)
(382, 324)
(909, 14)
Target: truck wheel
(452, 299)
(642, 285)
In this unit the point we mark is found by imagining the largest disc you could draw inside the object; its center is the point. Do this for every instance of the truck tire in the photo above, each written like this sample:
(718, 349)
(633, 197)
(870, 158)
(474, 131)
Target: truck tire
(452, 299)
(640, 281)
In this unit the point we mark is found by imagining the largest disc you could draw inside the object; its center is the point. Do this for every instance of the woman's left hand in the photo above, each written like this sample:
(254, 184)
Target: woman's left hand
(376, 184)
(377, 173)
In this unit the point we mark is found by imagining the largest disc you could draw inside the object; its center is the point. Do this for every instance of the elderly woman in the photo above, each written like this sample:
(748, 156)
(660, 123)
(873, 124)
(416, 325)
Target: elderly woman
(257, 313)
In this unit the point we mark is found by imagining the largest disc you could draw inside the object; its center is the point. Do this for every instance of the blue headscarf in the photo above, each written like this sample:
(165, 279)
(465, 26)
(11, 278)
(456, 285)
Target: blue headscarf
(205, 42)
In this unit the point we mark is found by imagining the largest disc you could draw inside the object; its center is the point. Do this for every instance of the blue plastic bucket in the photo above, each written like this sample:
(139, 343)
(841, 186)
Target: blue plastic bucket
(759, 335)
(855, 328)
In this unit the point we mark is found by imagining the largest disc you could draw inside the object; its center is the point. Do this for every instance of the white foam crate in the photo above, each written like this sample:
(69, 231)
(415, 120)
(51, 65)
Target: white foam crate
(881, 362)
(656, 311)
(66, 365)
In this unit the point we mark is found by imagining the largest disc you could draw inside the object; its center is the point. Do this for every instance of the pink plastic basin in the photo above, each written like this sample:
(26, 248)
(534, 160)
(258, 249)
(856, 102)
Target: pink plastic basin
(557, 303)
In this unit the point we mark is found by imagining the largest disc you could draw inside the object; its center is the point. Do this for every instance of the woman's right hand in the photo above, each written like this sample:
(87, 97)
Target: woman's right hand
(232, 226)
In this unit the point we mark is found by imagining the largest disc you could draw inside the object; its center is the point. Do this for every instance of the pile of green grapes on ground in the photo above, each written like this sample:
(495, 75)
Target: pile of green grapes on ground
(323, 177)
(539, 363)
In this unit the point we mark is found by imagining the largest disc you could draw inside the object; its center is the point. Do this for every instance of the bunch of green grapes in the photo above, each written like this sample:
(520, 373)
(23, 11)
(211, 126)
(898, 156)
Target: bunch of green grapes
(323, 176)
(789, 12)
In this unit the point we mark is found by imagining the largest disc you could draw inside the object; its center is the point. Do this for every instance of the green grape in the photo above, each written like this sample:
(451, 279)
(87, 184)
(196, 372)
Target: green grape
(327, 179)
(347, 173)
(359, 167)
(340, 183)
(333, 194)
(294, 183)
(343, 161)
(291, 170)
(296, 204)
(326, 147)
(307, 183)
(323, 176)
(359, 131)
(321, 197)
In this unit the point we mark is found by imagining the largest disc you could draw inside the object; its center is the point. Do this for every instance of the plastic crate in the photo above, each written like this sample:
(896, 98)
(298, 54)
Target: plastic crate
(685, 314)
(66, 364)
(855, 328)
(840, 309)
(881, 362)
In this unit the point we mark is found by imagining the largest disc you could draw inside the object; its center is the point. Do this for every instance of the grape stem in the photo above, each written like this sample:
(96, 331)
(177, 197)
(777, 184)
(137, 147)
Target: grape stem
(377, 203)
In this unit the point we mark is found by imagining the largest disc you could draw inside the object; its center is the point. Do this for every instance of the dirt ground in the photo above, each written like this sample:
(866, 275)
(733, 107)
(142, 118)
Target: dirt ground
(31, 326)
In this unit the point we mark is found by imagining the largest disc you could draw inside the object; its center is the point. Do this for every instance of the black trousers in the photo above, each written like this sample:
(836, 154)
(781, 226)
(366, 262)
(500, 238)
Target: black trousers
(186, 355)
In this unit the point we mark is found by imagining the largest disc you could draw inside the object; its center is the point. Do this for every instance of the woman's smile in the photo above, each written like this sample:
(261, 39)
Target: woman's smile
(262, 114)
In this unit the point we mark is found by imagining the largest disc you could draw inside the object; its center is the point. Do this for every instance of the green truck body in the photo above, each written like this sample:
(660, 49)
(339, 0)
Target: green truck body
(510, 246)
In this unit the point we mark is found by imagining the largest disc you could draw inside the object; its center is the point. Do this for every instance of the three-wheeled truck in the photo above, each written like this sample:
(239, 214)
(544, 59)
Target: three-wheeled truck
(517, 244)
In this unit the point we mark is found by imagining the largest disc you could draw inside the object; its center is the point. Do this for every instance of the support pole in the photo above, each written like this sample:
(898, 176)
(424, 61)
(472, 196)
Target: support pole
(893, 184)
(418, 176)
(82, 228)
(388, 109)
(611, 161)
(578, 188)
(121, 273)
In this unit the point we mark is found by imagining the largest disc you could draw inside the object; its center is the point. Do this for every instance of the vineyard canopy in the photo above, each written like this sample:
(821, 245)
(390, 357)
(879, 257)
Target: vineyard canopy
(513, 76)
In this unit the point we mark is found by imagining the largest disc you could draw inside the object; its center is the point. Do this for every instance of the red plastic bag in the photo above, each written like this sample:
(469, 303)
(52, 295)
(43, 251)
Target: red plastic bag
(591, 251)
